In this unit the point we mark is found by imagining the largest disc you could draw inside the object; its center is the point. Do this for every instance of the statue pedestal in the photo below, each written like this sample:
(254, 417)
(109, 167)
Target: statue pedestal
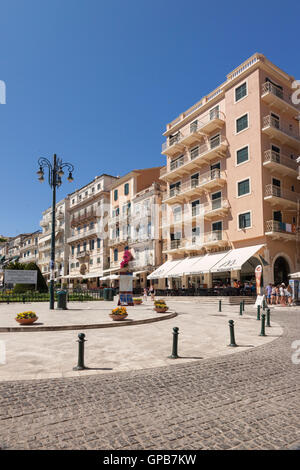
(125, 288)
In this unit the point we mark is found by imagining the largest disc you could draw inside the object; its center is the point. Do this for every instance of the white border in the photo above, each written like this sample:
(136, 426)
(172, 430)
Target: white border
(237, 187)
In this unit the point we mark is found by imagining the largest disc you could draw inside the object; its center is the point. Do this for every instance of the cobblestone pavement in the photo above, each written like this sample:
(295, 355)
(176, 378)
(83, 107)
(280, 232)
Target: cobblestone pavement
(248, 400)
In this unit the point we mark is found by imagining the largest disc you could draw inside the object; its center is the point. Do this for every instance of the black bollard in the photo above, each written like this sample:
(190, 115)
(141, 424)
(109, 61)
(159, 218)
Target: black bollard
(23, 299)
(263, 319)
(268, 317)
(220, 305)
(241, 308)
(258, 313)
(243, 305)
(231, 331)
(264, 304)
(175, 344)
(80, 341)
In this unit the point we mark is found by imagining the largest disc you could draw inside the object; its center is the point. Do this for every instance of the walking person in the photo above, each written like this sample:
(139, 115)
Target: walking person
(269, 293)
(282, 294)
(273, 295)
(145, 294)
(288, 295)
(152, 293)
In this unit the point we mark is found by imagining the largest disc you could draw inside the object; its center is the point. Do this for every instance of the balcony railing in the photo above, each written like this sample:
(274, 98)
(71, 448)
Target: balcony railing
(275, 157)
(83, 234)
(274, 123)
(280, 227)
(83, 217)
(194, 127)
(206, 178)
(272, 190)
(270, 89)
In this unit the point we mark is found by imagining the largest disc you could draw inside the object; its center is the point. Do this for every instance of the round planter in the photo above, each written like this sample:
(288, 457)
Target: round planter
(139, 302)
(116, 317)
(161, 310)
(26, 321)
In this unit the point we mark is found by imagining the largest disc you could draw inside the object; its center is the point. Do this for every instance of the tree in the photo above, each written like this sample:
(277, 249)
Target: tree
(41, 283)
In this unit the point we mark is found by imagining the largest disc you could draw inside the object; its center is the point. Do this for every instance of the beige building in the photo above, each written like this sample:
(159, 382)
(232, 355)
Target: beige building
(61, 247)
(88, 237)
(135, 219)
(29, 249)
(231, 176)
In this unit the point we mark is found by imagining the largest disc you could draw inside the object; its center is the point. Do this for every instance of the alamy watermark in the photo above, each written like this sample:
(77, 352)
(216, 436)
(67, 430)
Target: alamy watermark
(2, 92)
(296, 355)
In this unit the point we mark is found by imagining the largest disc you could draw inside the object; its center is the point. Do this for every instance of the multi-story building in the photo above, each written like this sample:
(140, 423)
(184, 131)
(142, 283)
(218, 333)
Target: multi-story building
(61, 246)
(231, 177)
(135, 201)
(29, 249)
(88, 238)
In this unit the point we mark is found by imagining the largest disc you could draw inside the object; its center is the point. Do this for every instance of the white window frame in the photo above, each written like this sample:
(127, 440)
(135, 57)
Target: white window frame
(237, 187)
(238, 225)
(246, 128)
(237, 86)
(236, 152)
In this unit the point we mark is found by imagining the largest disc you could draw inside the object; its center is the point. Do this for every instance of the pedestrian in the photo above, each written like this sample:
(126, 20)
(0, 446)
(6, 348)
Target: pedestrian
(145, 294)
(282, 294)
(269, 293)
(152, 293)
(288, 295)
(273, 295)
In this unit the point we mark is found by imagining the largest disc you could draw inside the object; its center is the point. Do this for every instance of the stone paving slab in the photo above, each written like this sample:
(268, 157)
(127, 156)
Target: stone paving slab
(247, 400)
(203, 332)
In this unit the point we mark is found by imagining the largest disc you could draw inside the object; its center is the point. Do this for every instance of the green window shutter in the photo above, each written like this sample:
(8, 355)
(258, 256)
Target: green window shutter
(242, 155)
(242, 123)
(243, 187)
(240, 92)
(244, 220)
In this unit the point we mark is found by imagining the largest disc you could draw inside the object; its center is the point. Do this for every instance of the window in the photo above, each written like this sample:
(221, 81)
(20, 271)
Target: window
(195, 208)
(115, 254)
(243, 187)
(115, 195)
(98, 186)
(98, 242)
(245, 220)
(195, 180)
(177, 214)
(98, 261)
(194, 152)
(214, 113)
(92, 244)
(73, 249)
(242, 155)
(91, 261)
(242, 123)
(240, 92)
(126, 189)
(216, 200)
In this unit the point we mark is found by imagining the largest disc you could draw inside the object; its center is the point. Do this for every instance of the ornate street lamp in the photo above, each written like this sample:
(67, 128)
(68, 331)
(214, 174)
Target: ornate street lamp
(55, 173)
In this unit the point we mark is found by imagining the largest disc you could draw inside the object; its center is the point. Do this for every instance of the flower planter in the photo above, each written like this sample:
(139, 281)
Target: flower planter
(161, 310)
(117, 317)
(137, 302)
(26, 321)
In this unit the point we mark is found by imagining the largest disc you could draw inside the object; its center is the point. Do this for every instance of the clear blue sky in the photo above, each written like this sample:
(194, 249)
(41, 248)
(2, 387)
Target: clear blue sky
(96, 81)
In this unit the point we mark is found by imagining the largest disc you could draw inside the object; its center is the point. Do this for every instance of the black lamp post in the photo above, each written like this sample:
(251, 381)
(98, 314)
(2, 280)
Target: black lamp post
(55, 173)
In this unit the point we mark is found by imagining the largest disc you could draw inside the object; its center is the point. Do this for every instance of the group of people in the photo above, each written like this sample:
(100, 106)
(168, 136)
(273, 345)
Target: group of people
(147, 292)
(279, 294)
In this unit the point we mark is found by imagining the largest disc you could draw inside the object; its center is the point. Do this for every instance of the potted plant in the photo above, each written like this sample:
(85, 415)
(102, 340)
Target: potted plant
(160, 306)
(118, 314)
(26, 318)
(137, 301)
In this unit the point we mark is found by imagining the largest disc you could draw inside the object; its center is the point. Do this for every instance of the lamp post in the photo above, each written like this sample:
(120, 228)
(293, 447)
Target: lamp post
(55, 173)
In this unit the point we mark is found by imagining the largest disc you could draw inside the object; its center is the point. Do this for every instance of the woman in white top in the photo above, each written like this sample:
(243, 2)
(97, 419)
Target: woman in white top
(282, 294)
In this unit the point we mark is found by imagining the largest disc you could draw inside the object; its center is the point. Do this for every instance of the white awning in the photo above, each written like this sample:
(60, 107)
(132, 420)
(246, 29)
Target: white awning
(114, 276)
(235, 259)
(205, 264)
(91, 275)
(183, 267)
(162, 271)
(295, 275)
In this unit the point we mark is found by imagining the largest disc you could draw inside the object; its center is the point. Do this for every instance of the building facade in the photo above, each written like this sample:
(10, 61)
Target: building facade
(61, 246)
(231, 176)
(134, 222)
(88, 239)
(29, 249)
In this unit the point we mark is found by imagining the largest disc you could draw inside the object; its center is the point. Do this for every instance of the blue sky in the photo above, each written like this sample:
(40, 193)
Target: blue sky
(96, 82)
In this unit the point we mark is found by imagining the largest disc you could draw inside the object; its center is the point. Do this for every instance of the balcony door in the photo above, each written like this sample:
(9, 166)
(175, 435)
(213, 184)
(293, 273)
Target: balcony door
(275, 120)
(216, 199)
(215, 170)
(276, 187)
(275, 153)
(277, 216)
(214, 113)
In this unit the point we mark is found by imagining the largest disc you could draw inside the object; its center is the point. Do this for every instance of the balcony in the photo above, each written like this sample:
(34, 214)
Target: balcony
(281, 197)
(85, 217)
(82, 254)
(279, 99)
(119, 241)
(217, 207)
(84, 234)
(280, 163)
(208, 242)
(283, 134)
(194, 132)
(280, 230)
(201, 155)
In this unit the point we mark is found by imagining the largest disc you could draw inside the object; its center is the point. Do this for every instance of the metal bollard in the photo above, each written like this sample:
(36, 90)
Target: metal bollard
(80, 341)
(23, 299)
(264, 304)
(231, 331)
(268, 317)
(258, 313)
(241, 308)
(263, 320)
(175, 344)
(220, 305)
(243, 305)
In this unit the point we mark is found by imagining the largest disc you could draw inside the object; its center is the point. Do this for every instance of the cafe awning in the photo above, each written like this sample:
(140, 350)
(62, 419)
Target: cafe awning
(205, 264)
(295, 275)
(92, 275)
(162, 271)
(235, 258)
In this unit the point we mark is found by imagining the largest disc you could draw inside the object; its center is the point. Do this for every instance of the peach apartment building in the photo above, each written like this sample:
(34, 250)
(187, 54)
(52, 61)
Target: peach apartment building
(88, 239)
(232, 198)
(135, 220)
